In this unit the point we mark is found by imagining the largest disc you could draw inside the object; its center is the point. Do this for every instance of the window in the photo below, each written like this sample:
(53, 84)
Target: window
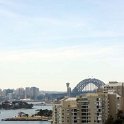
(75, 121)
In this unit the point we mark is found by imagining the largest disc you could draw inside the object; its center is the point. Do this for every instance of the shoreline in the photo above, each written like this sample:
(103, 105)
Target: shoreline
(27, 119)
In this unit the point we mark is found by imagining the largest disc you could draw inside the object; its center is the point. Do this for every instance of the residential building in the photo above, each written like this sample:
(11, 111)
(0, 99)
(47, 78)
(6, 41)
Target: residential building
(116, 87)
(57, 114)
(65, 112)
(91, 108)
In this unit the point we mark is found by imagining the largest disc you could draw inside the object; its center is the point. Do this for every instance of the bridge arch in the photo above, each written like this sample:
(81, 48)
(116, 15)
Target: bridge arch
(79, 89)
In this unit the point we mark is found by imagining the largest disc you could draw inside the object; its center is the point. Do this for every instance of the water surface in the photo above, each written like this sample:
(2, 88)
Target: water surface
(12, 113)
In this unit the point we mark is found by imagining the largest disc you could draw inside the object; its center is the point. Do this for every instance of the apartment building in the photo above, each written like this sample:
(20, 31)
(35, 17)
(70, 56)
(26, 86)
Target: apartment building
(57, 114)
(114, 104)
(69, 111)
(65, 112)
(92, 108)
(115, 87)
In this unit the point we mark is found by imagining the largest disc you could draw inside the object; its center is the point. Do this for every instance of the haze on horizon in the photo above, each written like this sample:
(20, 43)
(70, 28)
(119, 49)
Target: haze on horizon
(48, 43)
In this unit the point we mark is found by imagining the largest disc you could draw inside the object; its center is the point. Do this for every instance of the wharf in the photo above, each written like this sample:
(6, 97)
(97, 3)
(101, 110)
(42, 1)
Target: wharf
(27, 119)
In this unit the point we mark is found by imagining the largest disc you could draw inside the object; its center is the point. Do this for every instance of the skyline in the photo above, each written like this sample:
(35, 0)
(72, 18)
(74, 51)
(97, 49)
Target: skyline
(49, 43)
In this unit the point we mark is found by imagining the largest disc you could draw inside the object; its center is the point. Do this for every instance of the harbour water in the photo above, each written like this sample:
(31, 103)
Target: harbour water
(12, 113)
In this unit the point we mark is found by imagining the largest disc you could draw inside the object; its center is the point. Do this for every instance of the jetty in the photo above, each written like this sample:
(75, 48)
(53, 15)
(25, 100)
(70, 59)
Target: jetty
(27, 119)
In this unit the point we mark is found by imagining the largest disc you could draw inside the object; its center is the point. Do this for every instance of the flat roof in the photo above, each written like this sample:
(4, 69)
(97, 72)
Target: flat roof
(114, 83)
(71, 99)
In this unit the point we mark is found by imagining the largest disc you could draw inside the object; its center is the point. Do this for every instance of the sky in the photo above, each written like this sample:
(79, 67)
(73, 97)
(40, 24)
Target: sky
(46, 43)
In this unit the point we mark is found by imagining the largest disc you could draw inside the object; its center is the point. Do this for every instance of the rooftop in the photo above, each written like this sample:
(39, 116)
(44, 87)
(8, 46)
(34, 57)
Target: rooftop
(71, 99)
(115, 83)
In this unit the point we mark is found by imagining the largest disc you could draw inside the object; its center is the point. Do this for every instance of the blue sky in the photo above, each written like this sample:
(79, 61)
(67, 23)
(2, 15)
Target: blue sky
(48, 43)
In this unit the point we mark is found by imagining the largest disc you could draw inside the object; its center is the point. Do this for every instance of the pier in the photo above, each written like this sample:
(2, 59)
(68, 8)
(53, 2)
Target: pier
(37, 118)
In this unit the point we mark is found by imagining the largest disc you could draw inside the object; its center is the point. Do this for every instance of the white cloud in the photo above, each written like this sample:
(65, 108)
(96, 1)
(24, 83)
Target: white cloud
(86, 52)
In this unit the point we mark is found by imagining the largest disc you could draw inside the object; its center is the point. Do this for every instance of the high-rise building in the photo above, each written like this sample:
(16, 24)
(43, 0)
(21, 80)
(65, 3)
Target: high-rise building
(20, 93)
(66, 112)
(1, 92)
(34, 92)
(27, 92)
(91, 108)
(115, 87)
(57, 114)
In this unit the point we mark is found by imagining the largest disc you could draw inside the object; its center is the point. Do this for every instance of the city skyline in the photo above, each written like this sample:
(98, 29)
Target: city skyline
(49, 43)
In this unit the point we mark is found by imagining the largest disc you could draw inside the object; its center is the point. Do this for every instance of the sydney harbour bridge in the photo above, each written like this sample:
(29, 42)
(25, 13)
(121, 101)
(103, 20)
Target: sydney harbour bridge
(89, 85)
